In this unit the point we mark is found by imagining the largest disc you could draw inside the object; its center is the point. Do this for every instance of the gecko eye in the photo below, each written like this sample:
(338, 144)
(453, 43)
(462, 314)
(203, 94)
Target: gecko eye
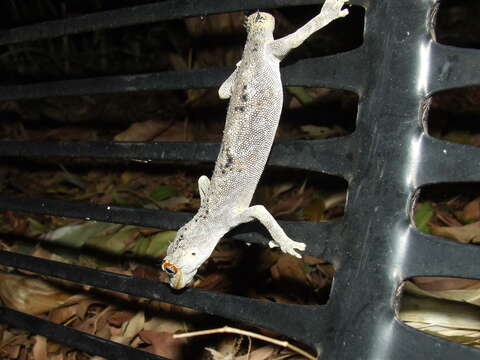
(170, 271)
(169, 268)
(194, 254)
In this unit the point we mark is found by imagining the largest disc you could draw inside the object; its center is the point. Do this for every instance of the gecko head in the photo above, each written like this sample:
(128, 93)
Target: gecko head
(193, 245)
(260, 21)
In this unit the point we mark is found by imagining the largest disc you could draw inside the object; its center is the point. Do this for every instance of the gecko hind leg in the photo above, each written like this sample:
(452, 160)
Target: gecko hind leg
(279, 238)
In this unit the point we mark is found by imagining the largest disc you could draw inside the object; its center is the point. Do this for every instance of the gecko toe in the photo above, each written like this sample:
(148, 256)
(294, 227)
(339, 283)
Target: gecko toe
(272, 244)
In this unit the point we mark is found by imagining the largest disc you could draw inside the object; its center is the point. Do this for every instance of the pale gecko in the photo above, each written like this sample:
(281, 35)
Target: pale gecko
(256, 98)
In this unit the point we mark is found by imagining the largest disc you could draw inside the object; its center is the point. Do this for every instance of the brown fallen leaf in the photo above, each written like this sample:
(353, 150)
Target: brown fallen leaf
(40, 348)
(30, 295)
(62, 314)
(289, 268)
(119, 317)
(11, 351)
(314, 211)
(142, 131)
(472, 210)
(447, 218)
(163, 344)
(465, 234)
(445, 283)
(169, 324)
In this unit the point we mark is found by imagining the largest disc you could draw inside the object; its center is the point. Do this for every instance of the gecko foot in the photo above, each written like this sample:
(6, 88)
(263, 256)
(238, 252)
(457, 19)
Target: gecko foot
(334, 8)
(288, 246)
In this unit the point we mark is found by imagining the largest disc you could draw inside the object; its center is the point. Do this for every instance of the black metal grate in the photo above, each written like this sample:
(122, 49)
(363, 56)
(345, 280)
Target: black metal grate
(388, 157)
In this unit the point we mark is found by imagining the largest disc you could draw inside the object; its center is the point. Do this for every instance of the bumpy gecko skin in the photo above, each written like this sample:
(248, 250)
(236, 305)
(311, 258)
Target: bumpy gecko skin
(256, 99)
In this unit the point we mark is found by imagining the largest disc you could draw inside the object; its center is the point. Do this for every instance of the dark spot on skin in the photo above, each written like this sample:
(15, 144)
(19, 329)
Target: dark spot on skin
(244, 87)
(193, 254)
(239, 108)
(244, 97)
(254, 49)
(223, 171)
(229, 160)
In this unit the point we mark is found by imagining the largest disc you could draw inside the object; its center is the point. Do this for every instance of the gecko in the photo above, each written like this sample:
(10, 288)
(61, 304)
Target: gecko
(256, 99)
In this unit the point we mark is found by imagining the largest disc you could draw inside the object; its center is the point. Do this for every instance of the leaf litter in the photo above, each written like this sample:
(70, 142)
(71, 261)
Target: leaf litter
(442, 306)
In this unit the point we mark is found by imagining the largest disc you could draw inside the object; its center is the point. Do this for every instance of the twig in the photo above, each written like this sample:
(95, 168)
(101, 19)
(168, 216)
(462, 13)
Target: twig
(231, 330)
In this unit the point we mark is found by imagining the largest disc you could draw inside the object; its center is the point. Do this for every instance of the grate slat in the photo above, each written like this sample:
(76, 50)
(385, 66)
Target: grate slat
(337, 71)
(263, 313)
(317, 236)
(417, 345)
(143, 14)
(462, 162)
(332, 156)
(447, 67)
(435, 256)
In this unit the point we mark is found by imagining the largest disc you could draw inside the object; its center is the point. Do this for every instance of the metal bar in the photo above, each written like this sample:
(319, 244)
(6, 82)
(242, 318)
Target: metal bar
(447, 66)
(331, 156)
(435, 256)
(320, 237)
(161, 11)
(338, 71)
(74, 338)
(263, 313)
(416, 345)
(442, 161)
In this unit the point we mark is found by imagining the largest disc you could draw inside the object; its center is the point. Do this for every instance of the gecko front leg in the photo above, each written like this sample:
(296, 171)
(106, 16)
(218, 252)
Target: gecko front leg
(331, 10)
(279, 238)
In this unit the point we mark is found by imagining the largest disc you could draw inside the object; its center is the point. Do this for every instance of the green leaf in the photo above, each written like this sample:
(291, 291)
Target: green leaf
(164, 192)
(301, 94)
(153, 246)
(423, 215)
(117, 199)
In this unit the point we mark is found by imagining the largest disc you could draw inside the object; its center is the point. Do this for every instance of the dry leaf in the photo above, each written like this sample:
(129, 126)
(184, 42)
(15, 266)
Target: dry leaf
(40, 348)
(226, 349)
(133, 326)
(263, 353)
(469, 295)
(289, 268)
(119, 317)
(62, 314)
(472, 210)
(448, 314)
(166, 324)
(445, 283)
(130, 328)
(314, 211)
(465, 234)
(142, 131)
(447, 218)
(30, 295)
(163, 344)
